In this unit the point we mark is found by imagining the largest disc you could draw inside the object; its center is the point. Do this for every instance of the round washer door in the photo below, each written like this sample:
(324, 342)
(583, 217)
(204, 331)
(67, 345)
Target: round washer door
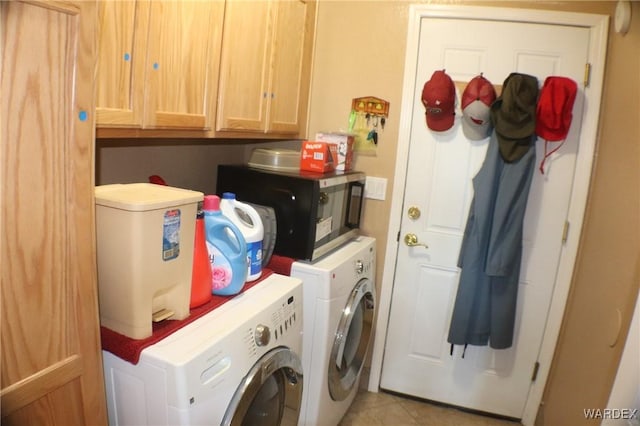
(270, 394)
(352, 340)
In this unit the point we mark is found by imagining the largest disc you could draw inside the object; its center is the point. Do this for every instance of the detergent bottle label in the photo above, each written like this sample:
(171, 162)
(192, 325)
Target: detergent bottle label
(254, 252)
(221, 271)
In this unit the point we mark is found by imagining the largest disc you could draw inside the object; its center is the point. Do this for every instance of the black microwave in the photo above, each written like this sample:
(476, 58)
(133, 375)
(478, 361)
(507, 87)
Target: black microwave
(315, 213)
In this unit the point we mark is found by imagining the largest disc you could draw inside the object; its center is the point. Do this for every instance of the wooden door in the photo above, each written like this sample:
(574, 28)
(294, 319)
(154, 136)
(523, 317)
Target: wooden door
(122, 55)
(244, 67)
(51, 360)
(291, 64)
(182, 63)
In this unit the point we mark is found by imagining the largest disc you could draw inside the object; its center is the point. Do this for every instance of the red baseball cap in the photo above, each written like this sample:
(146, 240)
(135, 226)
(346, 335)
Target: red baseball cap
(439, 100)
(554, 112)
(555, 108)
(478, 89)
(476, 113)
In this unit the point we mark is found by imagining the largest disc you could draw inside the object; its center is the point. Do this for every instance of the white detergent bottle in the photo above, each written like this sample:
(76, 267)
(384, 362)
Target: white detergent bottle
(227, 250)
(248, 220)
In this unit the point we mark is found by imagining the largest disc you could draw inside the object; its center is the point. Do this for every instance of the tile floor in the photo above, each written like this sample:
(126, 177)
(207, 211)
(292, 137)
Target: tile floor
(371, 409)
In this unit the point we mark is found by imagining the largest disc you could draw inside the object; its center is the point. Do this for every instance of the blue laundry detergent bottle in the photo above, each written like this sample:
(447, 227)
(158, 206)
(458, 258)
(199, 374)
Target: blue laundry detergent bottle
(227, 250)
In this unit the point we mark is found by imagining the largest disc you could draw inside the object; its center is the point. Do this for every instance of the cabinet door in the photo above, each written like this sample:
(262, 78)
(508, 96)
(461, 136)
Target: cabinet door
(50, 358)
(182, 64)
(122, 38)
(291, 65)
(244, 67)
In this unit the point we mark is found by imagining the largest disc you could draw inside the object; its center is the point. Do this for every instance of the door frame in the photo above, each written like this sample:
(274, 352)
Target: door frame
(599, 26)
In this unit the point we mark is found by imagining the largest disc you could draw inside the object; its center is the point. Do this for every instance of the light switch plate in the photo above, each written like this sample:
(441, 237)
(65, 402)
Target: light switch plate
(375, 188)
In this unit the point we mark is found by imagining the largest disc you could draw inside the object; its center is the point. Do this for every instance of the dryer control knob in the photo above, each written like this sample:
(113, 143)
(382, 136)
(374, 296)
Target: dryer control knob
(262, 335)
(359, 267)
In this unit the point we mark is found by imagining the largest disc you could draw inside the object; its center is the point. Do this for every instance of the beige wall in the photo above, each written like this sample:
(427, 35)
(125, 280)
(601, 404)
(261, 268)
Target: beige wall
(190, 164)
(608, 266)
(360, 50)
(183, 164)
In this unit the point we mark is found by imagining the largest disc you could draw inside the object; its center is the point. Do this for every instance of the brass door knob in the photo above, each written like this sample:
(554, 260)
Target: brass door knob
(411, 240)
(413, 212)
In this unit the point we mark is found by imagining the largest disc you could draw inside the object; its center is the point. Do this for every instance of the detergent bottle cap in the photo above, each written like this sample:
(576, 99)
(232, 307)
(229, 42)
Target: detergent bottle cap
(211, 203)
(228, 196)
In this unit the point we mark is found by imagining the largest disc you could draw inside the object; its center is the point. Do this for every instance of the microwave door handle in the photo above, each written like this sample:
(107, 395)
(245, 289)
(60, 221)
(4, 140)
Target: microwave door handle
(354, 207)
(286, 207)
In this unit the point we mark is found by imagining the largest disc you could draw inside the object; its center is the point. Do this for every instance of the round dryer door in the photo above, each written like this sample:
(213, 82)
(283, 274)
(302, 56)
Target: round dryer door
(270, 394)
(352, 340)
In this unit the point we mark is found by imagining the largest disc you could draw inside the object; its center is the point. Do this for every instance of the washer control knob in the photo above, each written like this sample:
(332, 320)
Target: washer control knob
(262, 335)
(359, 267)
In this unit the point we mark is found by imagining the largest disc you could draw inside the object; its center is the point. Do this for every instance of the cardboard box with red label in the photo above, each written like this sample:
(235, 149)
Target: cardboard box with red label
(345, 142)
(318, 157)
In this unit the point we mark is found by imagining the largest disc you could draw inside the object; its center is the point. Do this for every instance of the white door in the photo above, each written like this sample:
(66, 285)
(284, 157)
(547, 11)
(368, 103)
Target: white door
(417, 359)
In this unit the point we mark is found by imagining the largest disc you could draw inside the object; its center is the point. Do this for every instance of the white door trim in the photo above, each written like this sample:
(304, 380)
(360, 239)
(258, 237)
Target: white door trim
(598, 25)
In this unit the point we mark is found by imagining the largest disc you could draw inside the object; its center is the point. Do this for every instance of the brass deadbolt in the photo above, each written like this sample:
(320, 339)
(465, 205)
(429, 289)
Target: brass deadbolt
(413, 212)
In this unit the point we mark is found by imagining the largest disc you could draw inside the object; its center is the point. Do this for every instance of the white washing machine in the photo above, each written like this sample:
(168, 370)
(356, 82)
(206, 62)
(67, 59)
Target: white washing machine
(238, 364)
(339, 305)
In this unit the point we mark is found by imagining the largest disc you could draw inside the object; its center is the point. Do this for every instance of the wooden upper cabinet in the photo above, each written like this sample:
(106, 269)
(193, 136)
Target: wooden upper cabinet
(291, 66)
(183, 63)
(158, 63)
(244, 67)
(51, 364)
(265, 67)
(122, 55)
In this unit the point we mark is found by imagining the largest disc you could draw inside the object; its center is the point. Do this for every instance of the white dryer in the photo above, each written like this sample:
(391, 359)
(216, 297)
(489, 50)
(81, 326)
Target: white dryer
(339, 305)
(238, 364)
